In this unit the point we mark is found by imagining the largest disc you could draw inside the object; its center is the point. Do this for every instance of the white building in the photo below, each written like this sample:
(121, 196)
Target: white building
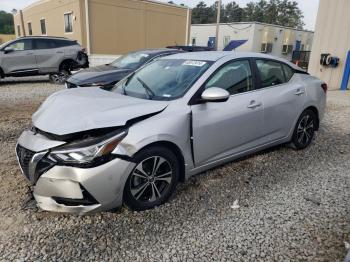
(332, 38)
(277, 40)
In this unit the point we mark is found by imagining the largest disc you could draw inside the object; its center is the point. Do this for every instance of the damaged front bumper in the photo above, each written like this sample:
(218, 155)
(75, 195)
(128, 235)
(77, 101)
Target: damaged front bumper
(70, 189)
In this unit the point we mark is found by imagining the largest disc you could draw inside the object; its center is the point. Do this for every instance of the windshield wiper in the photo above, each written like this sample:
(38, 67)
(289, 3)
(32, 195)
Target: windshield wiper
(149, 91)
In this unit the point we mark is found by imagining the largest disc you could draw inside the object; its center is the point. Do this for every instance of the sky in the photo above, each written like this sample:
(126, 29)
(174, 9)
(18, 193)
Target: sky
(309, 7)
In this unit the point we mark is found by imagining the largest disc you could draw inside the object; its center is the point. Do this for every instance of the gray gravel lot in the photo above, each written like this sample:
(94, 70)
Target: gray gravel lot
(294, 205)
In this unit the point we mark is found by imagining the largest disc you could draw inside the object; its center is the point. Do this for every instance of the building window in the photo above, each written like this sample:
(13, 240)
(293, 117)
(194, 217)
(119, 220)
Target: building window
(287, 49)
(226, 40)
(43, 26)
(266, 47)
(68, 23)
(193, 41)
(30, 31)
(19, 30)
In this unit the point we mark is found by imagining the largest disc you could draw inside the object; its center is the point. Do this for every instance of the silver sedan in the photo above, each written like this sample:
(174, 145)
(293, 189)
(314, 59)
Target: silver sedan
(90, 150)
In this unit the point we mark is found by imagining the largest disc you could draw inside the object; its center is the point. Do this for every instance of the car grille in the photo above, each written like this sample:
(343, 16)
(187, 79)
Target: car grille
(24, 157)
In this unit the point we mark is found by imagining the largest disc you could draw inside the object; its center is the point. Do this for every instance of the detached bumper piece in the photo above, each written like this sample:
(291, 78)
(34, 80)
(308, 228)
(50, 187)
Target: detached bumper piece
(50, 204)
(87, 200)
(61, 195)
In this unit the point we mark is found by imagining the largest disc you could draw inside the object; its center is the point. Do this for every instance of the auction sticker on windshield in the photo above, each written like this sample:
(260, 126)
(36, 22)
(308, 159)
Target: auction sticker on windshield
(194, 63)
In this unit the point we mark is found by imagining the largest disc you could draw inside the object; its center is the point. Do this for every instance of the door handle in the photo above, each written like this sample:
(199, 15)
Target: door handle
(299, 92)
(253, 104)
(30, 53)
(59, 52)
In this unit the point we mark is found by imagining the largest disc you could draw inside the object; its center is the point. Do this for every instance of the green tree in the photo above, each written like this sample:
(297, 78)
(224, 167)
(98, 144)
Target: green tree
(260, 11)
(271, 12)
(279, 12)
(6, 23)
(233, 12)
(249, 13)
(289, 14)
(203, 14)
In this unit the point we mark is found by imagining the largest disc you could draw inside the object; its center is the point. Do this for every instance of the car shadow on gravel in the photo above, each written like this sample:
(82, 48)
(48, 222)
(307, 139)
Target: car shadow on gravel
(274, 166)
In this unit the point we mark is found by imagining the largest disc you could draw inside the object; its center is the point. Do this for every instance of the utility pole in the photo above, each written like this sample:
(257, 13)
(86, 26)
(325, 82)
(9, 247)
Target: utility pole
(22, 23)
(218, 3)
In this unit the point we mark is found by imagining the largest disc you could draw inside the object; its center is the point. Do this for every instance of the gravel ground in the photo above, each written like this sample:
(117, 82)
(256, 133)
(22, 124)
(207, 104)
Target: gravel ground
(294, 206)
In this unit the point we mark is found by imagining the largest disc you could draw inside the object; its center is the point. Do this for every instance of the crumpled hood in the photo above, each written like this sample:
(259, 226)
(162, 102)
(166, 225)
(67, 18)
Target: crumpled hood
(81, 109)
(98, 74)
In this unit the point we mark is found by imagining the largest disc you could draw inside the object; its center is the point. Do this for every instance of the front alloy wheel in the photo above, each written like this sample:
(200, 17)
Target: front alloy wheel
(153, 180)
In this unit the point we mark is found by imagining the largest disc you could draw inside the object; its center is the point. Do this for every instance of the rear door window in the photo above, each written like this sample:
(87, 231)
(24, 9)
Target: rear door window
(271, 73)
(63, 43)
(44, 44)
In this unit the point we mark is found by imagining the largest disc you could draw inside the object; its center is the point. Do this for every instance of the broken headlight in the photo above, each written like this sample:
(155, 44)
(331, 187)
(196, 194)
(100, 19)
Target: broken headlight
(87, 150)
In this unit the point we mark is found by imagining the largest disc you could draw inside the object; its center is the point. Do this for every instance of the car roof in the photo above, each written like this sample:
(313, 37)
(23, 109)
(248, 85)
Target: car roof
(157, 51)
(217, 55)
(45, 37)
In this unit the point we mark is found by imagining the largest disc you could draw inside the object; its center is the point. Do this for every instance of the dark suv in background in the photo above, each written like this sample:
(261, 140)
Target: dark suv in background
(53, 56)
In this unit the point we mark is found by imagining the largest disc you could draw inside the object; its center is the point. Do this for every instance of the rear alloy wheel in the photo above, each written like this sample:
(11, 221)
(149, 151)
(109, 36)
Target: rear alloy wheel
(304, 130)
(60, 77)
(153, 180)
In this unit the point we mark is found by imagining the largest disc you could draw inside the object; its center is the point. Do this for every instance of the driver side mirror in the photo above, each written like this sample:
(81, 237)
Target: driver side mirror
(215, 94)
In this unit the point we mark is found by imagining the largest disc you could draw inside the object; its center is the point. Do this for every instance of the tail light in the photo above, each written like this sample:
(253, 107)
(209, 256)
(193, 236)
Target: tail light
(324, 87)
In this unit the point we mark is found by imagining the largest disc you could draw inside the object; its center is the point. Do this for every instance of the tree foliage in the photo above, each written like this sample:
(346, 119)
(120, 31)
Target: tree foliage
(6, 23)
(279, 12)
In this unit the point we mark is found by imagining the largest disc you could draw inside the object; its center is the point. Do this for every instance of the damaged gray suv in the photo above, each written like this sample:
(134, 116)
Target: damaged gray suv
(42, 55)
(90, 149)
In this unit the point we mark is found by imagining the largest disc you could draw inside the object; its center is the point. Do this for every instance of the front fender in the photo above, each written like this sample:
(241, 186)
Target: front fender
(165, 127)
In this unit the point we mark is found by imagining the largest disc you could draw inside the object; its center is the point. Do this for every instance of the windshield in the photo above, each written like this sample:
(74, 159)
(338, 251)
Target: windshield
(131, 61)
(165, 79)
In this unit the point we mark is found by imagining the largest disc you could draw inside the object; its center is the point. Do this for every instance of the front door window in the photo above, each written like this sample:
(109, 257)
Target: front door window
(235, 77)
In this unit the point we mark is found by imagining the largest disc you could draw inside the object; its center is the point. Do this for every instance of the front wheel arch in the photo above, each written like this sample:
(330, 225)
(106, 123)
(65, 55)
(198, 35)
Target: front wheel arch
(175, 149)
(134, 182)
(67, 64)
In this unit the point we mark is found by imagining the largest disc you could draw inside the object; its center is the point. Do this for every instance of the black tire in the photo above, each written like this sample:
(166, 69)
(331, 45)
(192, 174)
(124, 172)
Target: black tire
(2, 75)
(60, 77)
(304, 130)
(148, 187)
